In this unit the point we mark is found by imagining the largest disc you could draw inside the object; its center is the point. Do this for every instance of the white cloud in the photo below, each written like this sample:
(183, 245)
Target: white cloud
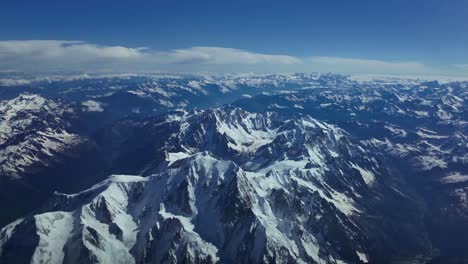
(217, 55)
(353, 65)
(43, 55)
(55, 49)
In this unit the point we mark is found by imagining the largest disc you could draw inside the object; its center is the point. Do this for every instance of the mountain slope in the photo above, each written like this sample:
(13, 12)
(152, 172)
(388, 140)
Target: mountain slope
(33, 130)
(420, 126)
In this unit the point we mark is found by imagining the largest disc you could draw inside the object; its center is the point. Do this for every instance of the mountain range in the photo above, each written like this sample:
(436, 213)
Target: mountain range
(301, 168)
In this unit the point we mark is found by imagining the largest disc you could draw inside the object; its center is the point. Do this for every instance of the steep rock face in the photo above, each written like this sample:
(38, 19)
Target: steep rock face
(33, 130)
(225, 185)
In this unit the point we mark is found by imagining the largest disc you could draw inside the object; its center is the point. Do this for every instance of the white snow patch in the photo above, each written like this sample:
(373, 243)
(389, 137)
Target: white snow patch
(367, 176)
(362, 257)
(277, 106)
(54, 230)
(455, 177)
(298, 106)
(421, 113)
(173, 157)
(426, 133)
(396, 131)
(93, 106)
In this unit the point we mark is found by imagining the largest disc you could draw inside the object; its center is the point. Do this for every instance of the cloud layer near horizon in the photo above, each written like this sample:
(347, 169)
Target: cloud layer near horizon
(59, 55)
(43, 55)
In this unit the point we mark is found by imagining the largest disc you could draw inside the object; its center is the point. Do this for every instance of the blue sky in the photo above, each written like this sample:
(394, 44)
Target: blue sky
(393, 36)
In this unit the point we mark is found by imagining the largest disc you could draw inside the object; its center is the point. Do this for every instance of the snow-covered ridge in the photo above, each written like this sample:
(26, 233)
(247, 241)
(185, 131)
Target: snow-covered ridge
(424, 120)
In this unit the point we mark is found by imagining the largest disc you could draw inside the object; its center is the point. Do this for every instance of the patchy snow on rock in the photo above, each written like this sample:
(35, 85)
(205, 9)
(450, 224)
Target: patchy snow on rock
(444, 115)
(426, 163)
(399, 132)
(33, 130)
(425, 133)
(422, 113)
